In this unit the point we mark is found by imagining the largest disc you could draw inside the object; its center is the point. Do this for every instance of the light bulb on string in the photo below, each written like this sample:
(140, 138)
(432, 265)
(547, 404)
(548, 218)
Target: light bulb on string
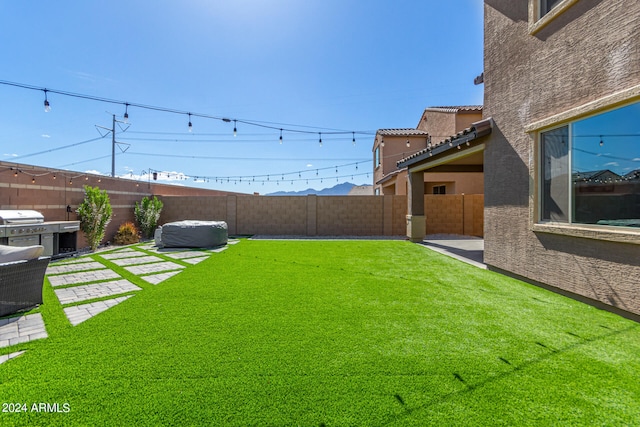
(235, 128)
(190, 124)
(353, 141)
(126, 113)
(47, 106)
(320, 140)
(601, 141)
(408, 143)
(280, 136)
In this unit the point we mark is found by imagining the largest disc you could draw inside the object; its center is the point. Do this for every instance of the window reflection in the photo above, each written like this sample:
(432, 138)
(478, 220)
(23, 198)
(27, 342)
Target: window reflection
(606, 168)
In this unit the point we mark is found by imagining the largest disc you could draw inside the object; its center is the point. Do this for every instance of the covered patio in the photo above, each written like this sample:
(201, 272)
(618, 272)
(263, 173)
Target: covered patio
(463, 152)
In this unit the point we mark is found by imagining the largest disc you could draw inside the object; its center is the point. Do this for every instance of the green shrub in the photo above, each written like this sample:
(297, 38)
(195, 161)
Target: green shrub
(147, 214)
(127, 234)
(95, 214)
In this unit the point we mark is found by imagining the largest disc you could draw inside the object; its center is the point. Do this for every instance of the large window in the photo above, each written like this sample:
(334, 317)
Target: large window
(547, 5)
(541, 12)
(590, 170)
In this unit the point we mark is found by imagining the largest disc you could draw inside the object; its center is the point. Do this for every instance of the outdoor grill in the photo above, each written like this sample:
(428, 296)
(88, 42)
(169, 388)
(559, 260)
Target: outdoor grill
(27, 228)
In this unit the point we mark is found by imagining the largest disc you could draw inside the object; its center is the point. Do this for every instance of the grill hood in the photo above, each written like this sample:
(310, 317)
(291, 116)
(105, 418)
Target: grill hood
(8, 217)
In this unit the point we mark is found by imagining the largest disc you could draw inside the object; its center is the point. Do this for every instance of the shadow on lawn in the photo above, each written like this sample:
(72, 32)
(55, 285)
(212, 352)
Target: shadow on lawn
(471, 387)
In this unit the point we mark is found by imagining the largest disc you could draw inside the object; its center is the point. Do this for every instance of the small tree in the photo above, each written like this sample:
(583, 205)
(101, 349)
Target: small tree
(147, 214)
(95, 214)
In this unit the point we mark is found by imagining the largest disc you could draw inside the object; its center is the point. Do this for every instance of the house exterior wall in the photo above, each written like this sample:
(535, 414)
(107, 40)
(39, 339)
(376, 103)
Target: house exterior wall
(587, 53)
(441, 124)
(457, 183)
(394, 149)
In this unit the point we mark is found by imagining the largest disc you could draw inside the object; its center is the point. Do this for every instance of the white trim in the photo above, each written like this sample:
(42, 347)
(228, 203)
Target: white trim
(537, 22)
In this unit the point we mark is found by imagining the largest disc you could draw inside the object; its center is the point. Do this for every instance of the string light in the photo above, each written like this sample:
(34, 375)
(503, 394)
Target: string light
(126, 113)
(408, 143)
(280, 136)
(266, 125)
(47, 106)
(235, 128)
(320, 141)
(353, 141)
(190, 124)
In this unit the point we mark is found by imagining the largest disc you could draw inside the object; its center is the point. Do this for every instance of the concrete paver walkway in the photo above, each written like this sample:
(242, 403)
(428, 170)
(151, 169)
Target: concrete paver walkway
(87, 279)
(83, 277)
(79, 313)
(95, 291)
(16, 330)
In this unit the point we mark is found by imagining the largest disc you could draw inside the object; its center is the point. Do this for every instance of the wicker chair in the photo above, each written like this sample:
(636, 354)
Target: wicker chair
(21, 284)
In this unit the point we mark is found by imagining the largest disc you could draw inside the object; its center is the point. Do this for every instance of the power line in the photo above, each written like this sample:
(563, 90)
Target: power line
(265, 159)
(58, 148)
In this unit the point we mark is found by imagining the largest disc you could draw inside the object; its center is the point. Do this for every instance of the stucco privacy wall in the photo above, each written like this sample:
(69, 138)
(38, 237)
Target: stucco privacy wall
(295, 215)
(50, 191)
(327, 215)
(588, 52)
(454, 214)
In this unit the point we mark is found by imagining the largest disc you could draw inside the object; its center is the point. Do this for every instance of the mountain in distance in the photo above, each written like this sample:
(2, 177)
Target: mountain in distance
(337, 190)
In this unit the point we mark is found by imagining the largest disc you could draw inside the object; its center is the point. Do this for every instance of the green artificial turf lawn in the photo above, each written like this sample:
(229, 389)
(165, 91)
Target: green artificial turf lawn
(333, 333)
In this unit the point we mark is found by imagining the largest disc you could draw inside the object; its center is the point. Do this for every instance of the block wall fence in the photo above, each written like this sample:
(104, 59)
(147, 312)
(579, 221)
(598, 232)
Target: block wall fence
(50, 191)
(328, 215)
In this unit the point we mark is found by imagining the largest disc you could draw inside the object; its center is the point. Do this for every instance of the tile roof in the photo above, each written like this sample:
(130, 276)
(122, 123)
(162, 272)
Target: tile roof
(390, 175)
(455, 109)
(477, 130)
(402, 132)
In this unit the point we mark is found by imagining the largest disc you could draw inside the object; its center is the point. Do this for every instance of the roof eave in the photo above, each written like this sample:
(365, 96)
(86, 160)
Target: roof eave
(477, 130)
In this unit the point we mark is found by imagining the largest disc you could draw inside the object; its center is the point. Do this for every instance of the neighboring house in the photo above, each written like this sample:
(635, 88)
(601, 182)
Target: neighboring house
(436, 125)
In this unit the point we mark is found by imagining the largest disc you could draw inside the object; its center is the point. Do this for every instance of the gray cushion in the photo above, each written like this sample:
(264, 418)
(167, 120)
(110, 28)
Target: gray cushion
(16, 253)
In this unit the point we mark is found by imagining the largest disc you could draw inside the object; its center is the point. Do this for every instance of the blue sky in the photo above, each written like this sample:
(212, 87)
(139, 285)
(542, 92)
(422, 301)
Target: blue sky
(312, 66)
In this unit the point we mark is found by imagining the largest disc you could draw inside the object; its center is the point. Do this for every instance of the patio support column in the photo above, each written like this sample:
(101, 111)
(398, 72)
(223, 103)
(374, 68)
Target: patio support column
(416, 225)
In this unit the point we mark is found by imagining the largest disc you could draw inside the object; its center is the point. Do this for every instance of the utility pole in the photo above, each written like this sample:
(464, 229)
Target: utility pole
(113, 140)
(113, 147)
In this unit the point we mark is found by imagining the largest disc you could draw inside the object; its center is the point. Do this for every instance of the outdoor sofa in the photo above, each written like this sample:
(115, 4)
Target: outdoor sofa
(22, 271)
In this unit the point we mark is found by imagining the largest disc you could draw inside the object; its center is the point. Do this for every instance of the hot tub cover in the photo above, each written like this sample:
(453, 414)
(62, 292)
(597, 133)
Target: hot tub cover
(194, 234)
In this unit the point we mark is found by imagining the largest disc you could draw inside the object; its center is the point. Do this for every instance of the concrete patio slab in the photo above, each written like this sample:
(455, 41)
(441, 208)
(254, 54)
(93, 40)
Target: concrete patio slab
(123, 254)
(16, 330)
(10, 356)
(139, 270)
(79, 313)
(95, 291)
(78, 260)
(154, 279)
(83, 277)
(137, 260)
(71, 268)
(186, 254)
(463, 248)
(195, 260)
